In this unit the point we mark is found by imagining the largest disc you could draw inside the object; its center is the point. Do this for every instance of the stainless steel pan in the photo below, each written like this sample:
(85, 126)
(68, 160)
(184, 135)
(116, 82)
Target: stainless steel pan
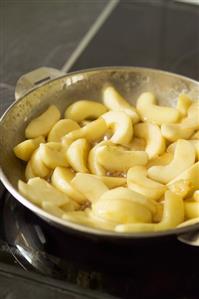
(44, 86)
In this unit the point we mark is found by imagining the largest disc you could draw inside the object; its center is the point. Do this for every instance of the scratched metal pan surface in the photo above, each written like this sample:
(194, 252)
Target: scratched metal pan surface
(64, 90)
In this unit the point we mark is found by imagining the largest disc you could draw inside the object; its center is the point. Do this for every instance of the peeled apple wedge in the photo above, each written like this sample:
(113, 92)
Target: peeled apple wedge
(173, 132)
(84, 109)
(37, 165)
(53, 154)
(183, 104)
(184, 157)
(80, 217)
(111, 181)
(25, 149)
(151, 112)
(29, 173)
(94, 166)
(91, 187)
(195, 143)
(38, 190)
(61, 128)
(160, 160)
(173, 215)
(155, 143)
(181, 187)
(123, 193)
(191, 175)
(121, 208)
(137, 181)
(191, 209)
(137, 144)
(195, 135)
(114, 101)
(52, 209)
(93, 131)
(58, 211)
(121, 124)
(43, 124)
(185, 128)
(196, 195)
(77, 155)
(114, 158)
(61, 179)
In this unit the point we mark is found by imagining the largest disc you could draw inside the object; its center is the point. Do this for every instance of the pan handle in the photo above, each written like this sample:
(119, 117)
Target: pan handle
(34, 79)
(190, 238)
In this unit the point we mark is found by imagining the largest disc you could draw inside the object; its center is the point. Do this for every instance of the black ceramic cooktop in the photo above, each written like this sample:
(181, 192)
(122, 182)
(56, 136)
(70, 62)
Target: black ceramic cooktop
(38, 257)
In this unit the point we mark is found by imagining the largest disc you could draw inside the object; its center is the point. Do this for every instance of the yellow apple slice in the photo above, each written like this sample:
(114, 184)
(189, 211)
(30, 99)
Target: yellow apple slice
(91, 187)
(29, 173)
(195, 143)
(61, 179)
(114, 158)
(94, 165)
(121, 124)
(173, 215)
(137, 144)
(38, 190)
(183, 104)
(191, 175)
(125, 207)
(196, 195)
(25, 149)
(191, 209)
(155, 143)
(84, 109)
(93, 131)
(77, 155)
(151, 112)
(137, 181)
(185, 128)
(114, 101)
(123, 193)
(43, 123)
(61, 128)
(110, 181)
(164, 159)
(37, 165)
(195, 135)
(181, 161)
(53, 154)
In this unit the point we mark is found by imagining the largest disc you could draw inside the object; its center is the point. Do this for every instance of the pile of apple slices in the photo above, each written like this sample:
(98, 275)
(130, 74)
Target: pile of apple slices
(113, 166)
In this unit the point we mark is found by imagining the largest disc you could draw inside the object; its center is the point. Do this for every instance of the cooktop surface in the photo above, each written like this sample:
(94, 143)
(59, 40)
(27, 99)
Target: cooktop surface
(157, 34)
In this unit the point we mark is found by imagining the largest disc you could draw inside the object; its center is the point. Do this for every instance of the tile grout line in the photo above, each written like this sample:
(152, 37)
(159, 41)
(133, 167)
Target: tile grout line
(90, 34)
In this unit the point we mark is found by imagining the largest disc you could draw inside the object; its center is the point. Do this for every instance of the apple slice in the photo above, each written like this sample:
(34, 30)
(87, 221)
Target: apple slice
(155, 143)
(116, 159)
(25, 149)
(114, 101)
(77, 155)
(121, 124)
(43, 123)
(91, 187)
(38, 190)
(84, 109)
(152, 113)
(61, 179)
(61, 128)
(137, 181)
(181, 161)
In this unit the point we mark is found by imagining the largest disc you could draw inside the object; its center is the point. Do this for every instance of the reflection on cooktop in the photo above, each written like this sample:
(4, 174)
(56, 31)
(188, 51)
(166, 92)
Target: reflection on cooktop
(114, 268)
(155, 34)
(188, 64)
